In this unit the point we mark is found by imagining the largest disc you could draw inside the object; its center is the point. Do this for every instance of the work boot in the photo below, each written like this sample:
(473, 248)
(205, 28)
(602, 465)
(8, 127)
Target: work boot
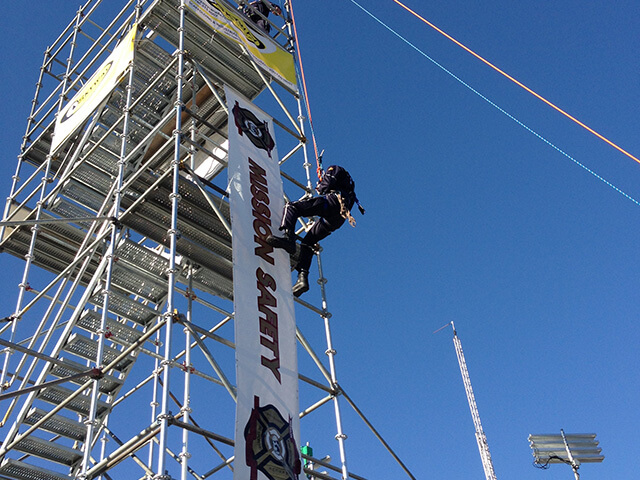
(302, 285)
(287, 242)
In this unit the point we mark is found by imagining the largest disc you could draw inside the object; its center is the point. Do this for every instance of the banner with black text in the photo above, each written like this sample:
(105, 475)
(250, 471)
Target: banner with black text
(267, 421)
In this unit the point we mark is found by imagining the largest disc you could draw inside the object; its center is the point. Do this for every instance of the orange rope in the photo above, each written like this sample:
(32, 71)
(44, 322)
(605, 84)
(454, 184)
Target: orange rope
(518, 83)
(304, 87)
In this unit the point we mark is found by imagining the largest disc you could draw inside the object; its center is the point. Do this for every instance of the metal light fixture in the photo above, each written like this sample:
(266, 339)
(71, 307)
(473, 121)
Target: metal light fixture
(570, 449)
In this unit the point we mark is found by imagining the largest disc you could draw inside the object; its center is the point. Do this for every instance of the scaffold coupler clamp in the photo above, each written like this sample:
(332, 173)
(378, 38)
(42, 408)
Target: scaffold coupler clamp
(96, 373)
(116, 223)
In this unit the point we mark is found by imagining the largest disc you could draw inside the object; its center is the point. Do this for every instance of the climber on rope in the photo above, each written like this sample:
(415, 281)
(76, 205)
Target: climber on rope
(264, 7)
(336, 197)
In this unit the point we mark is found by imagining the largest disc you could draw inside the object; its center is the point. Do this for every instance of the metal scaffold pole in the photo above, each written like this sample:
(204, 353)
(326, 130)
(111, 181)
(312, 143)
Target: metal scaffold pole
(172, 233)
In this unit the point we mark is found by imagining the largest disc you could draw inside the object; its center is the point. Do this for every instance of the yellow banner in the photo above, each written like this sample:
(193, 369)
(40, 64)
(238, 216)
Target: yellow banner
(93, 93)
(264, 50)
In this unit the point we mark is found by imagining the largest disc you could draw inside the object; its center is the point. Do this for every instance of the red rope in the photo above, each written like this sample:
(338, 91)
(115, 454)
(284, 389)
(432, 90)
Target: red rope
(304, 87)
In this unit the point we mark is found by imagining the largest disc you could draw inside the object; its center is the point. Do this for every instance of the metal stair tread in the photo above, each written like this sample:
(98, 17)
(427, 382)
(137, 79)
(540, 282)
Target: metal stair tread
(215, 283)
(23, 471)
(137, 282)
(80, 404)
(223, 57)
(142, 258)
(153, 222)
(57, 424)
(120, 333)
(108, 383)
(126, 307)
(194, 208)
(50, 256)
(87, 348)
(48, 450)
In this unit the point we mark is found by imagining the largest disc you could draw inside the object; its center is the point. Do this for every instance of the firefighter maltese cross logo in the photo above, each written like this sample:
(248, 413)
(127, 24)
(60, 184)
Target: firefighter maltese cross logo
(256, 131)
(270, 445)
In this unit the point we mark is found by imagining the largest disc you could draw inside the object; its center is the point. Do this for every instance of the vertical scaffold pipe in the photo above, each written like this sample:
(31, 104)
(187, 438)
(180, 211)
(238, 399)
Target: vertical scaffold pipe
(340, 436)
(186, 400)
(154, 394)
(163, 419)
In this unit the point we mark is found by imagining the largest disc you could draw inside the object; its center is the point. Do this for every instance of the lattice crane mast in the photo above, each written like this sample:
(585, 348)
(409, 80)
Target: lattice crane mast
(481, 438)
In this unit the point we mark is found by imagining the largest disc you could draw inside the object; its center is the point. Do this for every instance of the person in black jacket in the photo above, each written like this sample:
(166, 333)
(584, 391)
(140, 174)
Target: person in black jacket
(333, 206)
(264, 7)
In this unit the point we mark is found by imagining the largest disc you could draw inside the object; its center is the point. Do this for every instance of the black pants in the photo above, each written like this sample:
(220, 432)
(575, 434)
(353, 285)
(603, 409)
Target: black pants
(327, 207)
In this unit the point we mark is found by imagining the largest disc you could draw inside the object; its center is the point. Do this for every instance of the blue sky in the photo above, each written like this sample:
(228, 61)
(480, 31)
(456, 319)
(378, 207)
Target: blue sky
(470, 218)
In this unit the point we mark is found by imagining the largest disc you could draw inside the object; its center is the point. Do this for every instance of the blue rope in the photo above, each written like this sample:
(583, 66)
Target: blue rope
(490, 102)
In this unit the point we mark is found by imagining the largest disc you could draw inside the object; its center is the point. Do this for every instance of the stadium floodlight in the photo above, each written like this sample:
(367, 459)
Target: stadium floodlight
(570, 449)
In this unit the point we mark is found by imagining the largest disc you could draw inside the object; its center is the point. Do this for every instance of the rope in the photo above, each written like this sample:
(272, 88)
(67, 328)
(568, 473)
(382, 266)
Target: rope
(530, 130)
(519, 83)
(304, 88)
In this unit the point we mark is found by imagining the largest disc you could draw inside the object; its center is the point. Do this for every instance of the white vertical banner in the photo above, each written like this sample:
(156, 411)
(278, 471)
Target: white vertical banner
(267, 421)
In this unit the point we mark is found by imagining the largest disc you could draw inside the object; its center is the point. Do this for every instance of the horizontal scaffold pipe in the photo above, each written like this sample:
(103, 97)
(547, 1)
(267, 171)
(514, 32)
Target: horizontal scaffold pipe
(293, 151)
(73, 22)
(226, 463)
(316, 405)
(126, 450)
(81, 75)
(295, 182)
(29, 351)
(195, 423)
(135, 458)
(68, 269)
(28, 181)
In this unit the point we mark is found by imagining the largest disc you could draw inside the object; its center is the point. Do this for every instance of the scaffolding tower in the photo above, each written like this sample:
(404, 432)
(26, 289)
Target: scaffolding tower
(118, 359)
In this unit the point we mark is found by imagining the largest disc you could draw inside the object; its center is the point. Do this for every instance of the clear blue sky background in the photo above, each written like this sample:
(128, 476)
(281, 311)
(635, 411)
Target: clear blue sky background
(470, 218)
